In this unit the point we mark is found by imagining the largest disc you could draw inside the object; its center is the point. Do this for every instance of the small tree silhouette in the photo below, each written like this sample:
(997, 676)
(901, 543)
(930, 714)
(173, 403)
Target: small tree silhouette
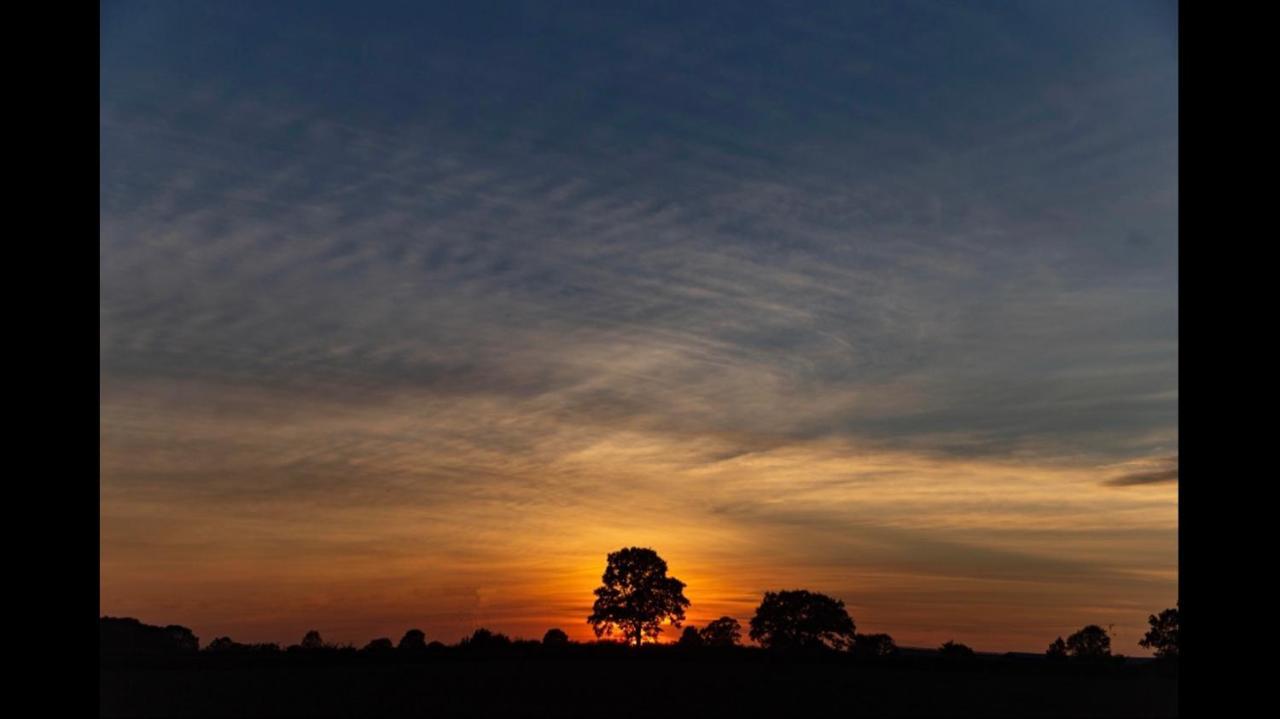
(482, 640)
(637, 596)
(224, 644)
(723, 632)
(690, 638)
(381, 644)
(1057, 650)
(555, 638)
(413, 640)
(312, 641)
(800, 619)
(1091, 642)
(182, 638)
(1163, 635)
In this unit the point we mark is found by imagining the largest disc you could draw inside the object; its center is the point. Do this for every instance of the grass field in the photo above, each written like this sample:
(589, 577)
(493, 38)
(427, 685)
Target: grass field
(626, 687)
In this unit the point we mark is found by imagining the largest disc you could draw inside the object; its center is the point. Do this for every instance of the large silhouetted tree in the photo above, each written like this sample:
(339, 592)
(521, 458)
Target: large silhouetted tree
(723, 632)
(1163, 635)
(1091, 642)
(637, 596)
(800, 619)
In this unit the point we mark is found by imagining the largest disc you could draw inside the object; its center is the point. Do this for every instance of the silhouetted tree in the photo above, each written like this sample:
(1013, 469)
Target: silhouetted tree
(690, 638)
(955, 651)
(381, 644)
(413, 640)
(182, 638)
(224, 644)
(874, 645)
(483, 639)
(1091, 642)
(1163, 635)
(1057, 650)
(637, 596)
(800, 619)
(723, 632)
(312, 641)
(227, 645)
(128, 635)
(555, 638)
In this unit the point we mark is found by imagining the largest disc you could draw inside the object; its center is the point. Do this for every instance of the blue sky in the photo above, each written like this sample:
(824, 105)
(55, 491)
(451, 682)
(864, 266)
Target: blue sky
(549, 258)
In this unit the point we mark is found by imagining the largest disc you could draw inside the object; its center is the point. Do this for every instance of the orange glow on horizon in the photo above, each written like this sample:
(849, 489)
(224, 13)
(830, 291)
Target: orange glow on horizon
(1002, 555)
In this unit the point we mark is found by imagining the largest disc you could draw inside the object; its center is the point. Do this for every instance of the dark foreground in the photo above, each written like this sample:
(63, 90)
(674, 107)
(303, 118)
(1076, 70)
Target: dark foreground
(626, 687)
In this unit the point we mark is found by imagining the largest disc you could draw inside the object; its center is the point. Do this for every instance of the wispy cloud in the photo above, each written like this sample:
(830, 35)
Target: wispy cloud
(1155, 471)
(372, 318)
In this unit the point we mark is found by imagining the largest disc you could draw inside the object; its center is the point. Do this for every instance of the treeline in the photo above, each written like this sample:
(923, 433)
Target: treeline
(636, 600)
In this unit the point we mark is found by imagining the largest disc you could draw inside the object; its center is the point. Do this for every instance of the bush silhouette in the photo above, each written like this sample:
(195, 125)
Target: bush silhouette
(723, 632)
(381, 644)
(1091, 642)
(873, 646)
(555, 638)
(1163, 635)
(800, 619)
(637, 596)
(954, 651)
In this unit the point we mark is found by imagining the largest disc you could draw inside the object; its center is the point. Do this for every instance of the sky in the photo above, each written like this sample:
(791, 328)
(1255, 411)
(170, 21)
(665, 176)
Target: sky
(412, 312)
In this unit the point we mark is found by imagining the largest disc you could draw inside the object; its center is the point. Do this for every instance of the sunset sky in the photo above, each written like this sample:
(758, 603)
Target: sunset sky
(412, 312)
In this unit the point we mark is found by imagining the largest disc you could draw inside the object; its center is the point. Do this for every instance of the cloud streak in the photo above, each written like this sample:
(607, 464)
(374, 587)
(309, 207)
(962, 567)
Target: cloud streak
(473, 295)
(1163, 470)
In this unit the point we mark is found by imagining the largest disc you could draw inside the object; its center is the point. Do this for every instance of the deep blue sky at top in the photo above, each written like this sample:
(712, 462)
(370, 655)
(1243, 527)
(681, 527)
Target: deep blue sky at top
(971, 205)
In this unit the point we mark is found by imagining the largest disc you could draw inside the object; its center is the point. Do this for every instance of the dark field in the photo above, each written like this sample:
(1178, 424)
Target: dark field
(620, 686)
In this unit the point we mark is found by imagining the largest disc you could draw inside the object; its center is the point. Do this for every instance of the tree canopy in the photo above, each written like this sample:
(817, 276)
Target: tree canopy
(800, 619)
(381, 644)
(1057, 649)
(414, 640)
(1091, 642)
(723, 632)
(312, 641)
(690, 637)
(1162, 638)
(637, 596)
